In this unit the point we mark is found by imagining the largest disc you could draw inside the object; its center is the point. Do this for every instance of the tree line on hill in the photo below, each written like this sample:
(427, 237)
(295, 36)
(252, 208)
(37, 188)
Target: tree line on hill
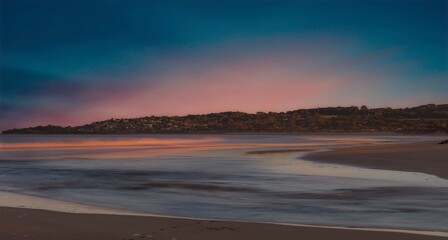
(429, 118)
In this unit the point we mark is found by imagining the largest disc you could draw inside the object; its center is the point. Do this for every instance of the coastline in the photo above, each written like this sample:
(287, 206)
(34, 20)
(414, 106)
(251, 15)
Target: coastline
(32, 217)
(23, 223)
(427, 157)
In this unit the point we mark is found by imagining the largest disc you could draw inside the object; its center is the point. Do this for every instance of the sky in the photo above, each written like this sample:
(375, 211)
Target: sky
(72, 62)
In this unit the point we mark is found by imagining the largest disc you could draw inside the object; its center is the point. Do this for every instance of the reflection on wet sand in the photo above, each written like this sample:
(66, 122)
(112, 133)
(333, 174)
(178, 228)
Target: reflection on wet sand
(210, 176)
(273, 151)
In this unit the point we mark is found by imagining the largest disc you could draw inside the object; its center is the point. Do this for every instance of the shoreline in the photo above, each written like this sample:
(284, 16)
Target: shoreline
(23, 223)
(367, 133)
(23, 216)
(25, 203)
(426, 157)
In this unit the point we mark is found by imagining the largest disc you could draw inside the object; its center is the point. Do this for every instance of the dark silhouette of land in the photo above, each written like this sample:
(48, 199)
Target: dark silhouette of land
(429, 118)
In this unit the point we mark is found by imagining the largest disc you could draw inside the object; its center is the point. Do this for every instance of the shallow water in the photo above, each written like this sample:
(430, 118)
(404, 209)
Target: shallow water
(212, 176)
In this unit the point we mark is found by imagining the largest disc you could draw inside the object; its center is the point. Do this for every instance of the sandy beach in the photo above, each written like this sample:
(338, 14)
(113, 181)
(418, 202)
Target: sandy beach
(20, 223)
(31, 217)
(426, 157)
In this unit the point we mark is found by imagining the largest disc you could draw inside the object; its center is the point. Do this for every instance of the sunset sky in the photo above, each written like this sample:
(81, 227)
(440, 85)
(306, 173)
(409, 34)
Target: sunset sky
(72, 62)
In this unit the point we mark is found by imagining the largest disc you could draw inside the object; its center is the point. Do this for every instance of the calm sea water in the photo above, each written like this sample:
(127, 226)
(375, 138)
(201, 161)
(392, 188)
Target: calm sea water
(213, 176)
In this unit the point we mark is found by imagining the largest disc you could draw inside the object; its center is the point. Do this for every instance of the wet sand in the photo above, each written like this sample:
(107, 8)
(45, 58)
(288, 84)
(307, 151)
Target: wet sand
(21, 223)
(425, 157)
(278, 151)
(41, 224)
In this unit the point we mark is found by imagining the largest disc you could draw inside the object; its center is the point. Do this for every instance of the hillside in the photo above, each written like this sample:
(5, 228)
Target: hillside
(429, 118)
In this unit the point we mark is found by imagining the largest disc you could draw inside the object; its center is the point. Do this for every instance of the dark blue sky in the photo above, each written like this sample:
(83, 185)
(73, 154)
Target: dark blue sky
(71, 62)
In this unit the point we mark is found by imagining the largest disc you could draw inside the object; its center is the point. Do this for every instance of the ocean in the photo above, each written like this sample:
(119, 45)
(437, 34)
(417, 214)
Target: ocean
(234, 177)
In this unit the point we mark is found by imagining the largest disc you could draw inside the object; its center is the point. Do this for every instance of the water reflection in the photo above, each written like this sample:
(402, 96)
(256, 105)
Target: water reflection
(213, 176)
